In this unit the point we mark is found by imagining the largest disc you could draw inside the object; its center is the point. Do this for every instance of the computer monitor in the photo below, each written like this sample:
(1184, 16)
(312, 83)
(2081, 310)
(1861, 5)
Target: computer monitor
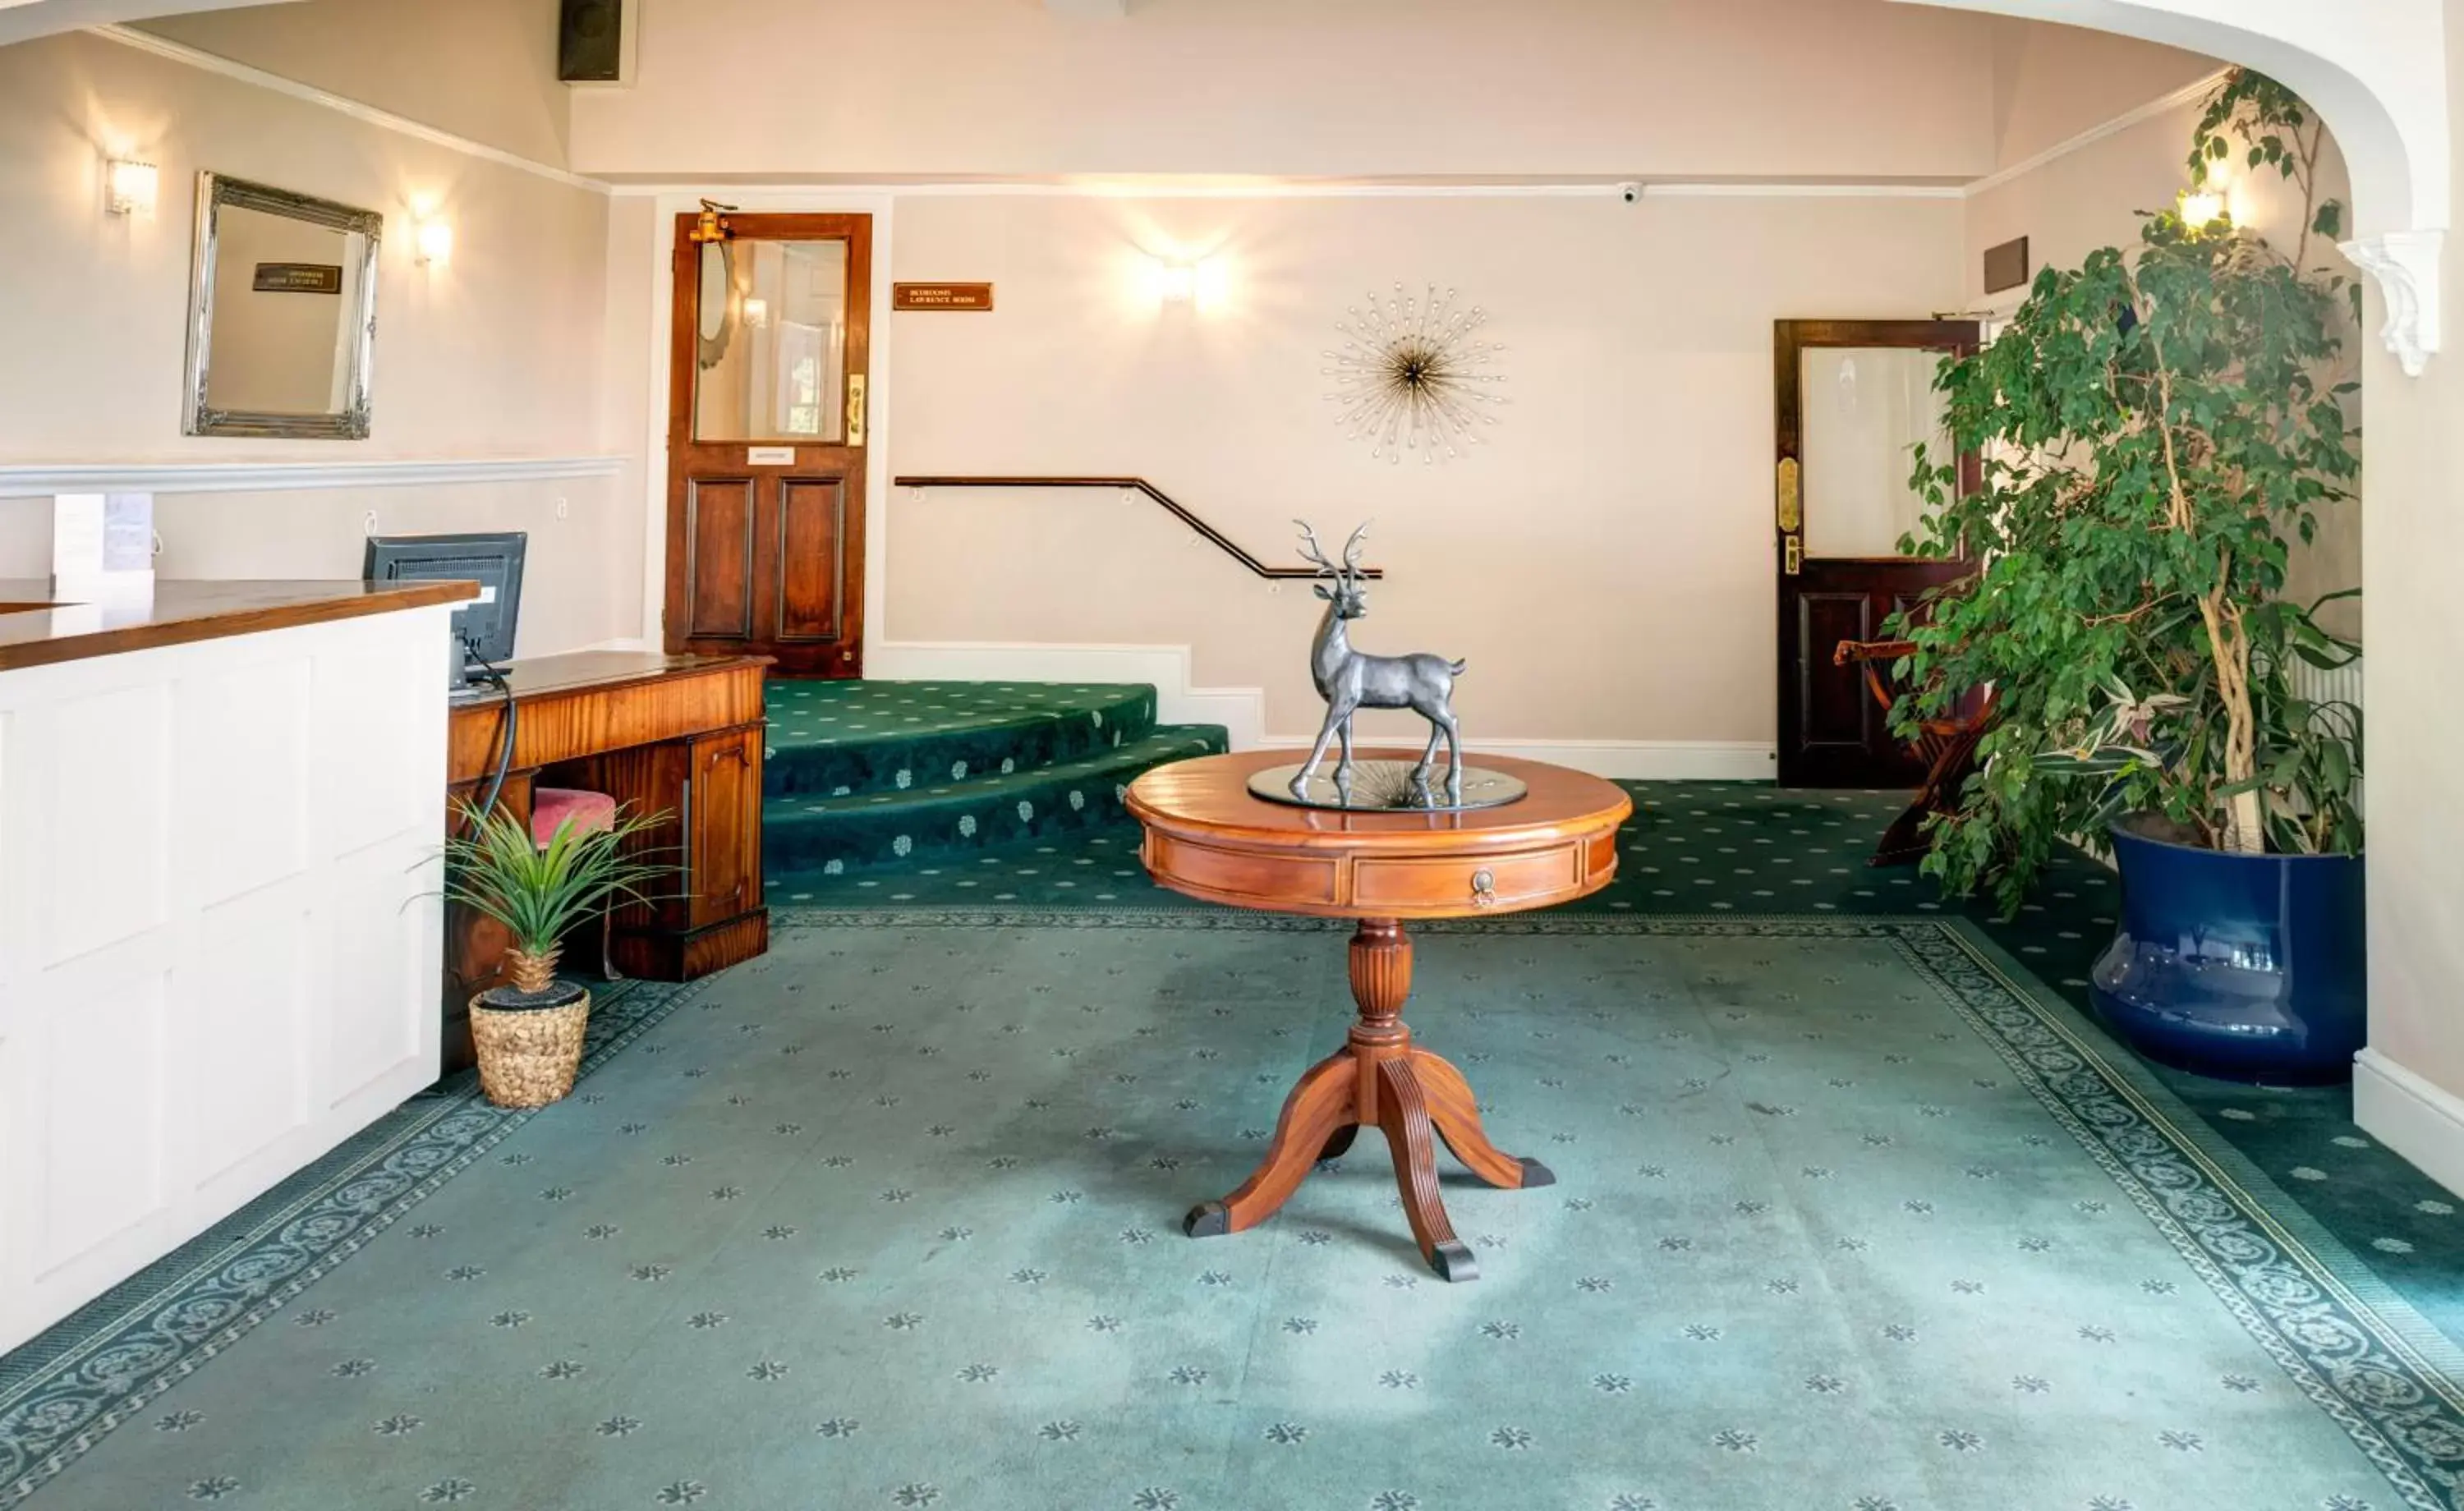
(483, 625)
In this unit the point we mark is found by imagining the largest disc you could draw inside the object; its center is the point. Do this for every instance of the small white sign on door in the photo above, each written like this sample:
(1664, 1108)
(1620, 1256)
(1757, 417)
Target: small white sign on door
(769, 456)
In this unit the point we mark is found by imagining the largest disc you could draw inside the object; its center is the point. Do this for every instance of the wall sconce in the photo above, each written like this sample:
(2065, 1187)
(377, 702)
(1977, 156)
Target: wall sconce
(2204, 207)
(757, 313)
(129, 187)
(1200, 283)
(432, 242)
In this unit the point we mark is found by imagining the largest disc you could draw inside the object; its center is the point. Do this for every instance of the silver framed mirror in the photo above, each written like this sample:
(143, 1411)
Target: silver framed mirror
(282, 309)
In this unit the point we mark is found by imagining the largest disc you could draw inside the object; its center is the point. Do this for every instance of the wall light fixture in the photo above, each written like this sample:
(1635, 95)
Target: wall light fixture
(130, 187)
(2204, 207)
(432, 242)
(1201, 282)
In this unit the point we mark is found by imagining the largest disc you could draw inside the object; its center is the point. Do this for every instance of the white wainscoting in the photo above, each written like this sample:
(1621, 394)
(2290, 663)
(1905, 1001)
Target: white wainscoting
(219, 939)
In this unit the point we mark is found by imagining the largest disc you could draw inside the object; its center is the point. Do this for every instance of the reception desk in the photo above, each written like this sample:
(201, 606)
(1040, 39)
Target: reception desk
(675, 738)
(219, 819)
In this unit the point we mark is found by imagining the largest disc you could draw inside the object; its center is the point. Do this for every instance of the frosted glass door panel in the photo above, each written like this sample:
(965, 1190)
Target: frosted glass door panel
(772, 362)
(1864, 411)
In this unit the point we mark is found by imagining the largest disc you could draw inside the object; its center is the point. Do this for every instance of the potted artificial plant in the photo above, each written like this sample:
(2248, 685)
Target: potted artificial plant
(528, 1031)
(2159, 428)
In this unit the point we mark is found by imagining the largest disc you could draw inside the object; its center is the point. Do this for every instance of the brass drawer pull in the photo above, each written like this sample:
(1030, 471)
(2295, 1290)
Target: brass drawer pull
(1484, 888)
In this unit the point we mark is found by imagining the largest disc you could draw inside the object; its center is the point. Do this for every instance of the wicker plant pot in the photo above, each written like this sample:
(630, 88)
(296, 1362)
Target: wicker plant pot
(528, 1034)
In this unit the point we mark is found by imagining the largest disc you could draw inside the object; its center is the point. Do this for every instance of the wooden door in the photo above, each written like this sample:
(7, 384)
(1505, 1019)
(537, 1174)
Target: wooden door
(766, 441)
(1852, 397)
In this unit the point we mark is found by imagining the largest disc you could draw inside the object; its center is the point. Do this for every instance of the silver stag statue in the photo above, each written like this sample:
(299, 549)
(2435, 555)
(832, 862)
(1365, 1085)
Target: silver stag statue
(1350, 681)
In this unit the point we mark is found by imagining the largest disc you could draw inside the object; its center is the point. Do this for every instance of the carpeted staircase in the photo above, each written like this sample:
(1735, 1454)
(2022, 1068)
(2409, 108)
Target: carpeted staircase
(864, 774)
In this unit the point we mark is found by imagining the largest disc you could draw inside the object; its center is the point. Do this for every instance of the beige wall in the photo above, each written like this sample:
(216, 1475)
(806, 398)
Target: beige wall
(490, 356)
(2414, 536)
(2052, 83)
(1609, 88)
(482, 69)
(1604, 562)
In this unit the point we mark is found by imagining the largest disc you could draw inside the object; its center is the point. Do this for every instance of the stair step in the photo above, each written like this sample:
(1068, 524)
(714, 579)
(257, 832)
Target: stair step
(835, 835)
(841, 739)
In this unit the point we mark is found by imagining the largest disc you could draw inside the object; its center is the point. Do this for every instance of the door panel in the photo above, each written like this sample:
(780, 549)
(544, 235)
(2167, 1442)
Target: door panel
(812, 518)
(1831, 709)
(718, 558)
(766, 441)
(726, 827)
(1852, 398)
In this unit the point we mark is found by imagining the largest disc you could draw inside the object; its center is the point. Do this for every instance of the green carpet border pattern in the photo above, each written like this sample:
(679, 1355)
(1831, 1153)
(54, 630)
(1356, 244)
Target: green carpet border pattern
(61, 1392)
(2368, 1361)
(2354, 1347)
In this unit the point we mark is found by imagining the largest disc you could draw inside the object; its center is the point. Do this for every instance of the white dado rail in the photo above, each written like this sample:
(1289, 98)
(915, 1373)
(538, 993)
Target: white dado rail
(34, 479)
(219, 935)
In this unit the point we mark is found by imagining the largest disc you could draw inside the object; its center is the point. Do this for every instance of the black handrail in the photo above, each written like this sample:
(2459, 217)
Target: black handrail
(1175, 507)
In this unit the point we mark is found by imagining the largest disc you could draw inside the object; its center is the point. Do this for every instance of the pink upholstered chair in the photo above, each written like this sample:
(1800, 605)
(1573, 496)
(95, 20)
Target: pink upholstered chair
(590, 813)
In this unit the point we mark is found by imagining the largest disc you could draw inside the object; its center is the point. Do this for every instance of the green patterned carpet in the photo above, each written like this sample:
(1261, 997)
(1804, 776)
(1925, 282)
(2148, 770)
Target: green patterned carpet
(1850, 1213)
(1722, 848)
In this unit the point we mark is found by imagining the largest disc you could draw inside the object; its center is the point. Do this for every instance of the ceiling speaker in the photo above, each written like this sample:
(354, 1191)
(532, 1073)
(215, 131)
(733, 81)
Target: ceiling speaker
(590, 41)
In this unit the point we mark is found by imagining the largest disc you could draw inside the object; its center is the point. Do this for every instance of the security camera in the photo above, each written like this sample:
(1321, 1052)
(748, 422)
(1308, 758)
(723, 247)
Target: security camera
(1631, 193)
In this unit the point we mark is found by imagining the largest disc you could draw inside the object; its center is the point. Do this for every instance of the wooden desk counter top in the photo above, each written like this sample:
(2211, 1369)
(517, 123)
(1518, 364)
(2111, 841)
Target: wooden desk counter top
(36, 631)
(535, 676)
(587, 703)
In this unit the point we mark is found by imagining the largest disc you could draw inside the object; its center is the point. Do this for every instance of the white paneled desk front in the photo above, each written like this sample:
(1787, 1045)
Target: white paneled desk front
(220, 816)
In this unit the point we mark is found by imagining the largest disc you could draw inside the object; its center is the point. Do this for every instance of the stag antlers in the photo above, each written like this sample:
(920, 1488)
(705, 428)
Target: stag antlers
(1312, 552)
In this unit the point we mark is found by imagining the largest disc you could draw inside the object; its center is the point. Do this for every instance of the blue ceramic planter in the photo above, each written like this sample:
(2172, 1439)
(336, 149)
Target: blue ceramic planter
(2246, 967)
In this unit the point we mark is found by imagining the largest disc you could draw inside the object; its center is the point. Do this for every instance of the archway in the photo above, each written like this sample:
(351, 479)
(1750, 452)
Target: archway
(2377, 71)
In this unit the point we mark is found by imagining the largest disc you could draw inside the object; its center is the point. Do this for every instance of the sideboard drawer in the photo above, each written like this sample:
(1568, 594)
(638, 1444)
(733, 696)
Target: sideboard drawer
(1504, 881)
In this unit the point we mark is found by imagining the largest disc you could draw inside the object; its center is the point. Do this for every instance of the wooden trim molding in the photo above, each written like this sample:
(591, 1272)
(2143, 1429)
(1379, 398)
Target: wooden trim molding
(31, 479)
(1169, 505)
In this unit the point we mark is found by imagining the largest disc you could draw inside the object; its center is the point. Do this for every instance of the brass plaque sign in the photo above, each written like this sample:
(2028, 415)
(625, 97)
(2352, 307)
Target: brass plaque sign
(298, 278)
(941, 297)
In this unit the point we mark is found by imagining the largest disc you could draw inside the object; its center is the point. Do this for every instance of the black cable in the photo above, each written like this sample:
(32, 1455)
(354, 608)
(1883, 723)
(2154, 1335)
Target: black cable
(495, 678)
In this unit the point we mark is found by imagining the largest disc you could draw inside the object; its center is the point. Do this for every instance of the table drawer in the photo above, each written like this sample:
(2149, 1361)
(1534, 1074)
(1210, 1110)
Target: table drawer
(1243, 875)
(1500, 881)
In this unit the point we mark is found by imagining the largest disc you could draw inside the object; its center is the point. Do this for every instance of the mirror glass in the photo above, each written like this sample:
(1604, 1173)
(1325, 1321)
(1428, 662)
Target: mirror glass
(778, 371)
(283, 293)
(282, 314)
(1865, 409)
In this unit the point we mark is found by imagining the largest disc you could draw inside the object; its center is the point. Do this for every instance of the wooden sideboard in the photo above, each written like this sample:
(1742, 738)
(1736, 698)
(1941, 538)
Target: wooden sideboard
(679, 735)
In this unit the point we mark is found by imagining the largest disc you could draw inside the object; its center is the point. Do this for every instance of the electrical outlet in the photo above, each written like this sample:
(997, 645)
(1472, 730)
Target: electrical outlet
(562, 509)
(368, 523)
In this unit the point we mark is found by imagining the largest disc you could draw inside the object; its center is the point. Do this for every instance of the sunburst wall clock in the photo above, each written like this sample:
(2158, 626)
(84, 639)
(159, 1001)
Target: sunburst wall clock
(1412, 377)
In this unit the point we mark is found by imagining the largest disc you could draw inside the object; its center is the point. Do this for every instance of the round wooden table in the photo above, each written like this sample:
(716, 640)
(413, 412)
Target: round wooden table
(1206, 836)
